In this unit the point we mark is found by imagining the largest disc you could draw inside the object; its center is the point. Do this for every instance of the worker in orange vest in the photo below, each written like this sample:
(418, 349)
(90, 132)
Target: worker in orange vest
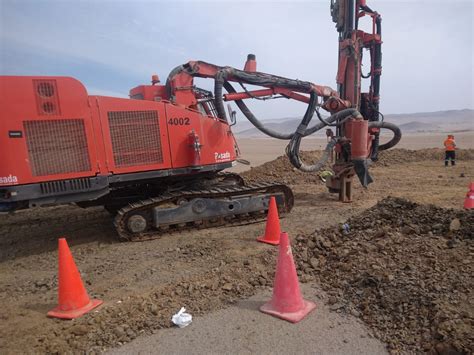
(450, 150)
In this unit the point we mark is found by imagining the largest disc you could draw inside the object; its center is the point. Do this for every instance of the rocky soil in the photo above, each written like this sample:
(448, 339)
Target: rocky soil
(146, 313)
(405, 269)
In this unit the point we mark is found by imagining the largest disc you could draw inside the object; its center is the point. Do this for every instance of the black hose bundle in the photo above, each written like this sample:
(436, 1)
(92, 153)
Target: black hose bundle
(258, 124)
(293, 148)
(262, 80)
(267, 80)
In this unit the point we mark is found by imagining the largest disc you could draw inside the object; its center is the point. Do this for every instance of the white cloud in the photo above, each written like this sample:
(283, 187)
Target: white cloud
(427, 59)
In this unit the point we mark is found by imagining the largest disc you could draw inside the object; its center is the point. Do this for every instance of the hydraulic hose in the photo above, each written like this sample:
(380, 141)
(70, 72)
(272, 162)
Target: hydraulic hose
(268, 131)
(293, 148)
(397, 133)
(220, 82)
(172, 74)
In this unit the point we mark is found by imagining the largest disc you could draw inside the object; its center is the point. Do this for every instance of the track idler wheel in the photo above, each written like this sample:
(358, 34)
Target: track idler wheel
(137, 223)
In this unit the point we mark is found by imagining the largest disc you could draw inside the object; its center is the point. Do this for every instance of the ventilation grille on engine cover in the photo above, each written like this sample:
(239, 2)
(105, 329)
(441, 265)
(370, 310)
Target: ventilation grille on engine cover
(47, 99)
(57, 146)
(135, 138)
(53, 187)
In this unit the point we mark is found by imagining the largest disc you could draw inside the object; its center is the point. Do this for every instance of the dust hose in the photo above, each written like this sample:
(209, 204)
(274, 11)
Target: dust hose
(296, 161)
(397, 133)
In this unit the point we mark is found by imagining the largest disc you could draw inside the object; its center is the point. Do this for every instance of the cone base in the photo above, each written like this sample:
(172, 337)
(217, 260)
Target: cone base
(469, 204)
(293, 317)
(268, 241)
(75, 313)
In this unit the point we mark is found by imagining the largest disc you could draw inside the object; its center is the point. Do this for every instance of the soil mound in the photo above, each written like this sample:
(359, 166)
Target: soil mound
(405, 269)
(400, 156)
(281, 169)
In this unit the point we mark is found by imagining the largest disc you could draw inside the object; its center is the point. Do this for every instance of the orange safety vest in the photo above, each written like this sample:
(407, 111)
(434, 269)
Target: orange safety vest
(450, 145)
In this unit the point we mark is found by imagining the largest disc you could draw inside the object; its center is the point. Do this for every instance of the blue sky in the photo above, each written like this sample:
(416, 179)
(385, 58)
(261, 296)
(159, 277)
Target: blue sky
(112, 46)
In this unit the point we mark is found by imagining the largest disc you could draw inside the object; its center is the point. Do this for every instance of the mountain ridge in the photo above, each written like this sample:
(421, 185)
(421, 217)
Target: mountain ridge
(418, 122)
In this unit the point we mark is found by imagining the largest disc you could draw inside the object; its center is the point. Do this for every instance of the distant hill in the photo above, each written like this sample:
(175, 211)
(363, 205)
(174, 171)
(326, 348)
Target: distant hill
(452, 116)
(439, 121)
(419, 127)
(287, 125)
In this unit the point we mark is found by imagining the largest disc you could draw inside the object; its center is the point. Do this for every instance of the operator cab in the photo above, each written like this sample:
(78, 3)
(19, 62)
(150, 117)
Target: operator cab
(205, 99)
(206, 104)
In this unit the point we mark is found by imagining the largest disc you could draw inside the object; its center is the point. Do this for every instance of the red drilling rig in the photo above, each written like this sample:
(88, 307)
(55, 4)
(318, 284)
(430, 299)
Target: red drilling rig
(155, 160)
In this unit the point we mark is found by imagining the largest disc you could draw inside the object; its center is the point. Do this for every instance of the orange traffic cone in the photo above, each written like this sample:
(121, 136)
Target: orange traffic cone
(287, 302)
(73, 298)
(469, 201)
(272, 228)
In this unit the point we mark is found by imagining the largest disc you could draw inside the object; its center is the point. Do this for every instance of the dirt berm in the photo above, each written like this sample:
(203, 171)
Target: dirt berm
(405, 269)
(281, 169)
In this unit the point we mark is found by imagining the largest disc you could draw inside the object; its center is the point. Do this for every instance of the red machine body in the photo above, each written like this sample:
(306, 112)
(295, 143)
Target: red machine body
(52, 131)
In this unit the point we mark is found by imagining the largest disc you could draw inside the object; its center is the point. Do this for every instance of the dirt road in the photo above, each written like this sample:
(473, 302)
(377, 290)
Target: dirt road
(143, 284)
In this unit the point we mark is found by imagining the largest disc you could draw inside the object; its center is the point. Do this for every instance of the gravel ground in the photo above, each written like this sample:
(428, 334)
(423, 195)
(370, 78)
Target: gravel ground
(242, 329)
(143, 284)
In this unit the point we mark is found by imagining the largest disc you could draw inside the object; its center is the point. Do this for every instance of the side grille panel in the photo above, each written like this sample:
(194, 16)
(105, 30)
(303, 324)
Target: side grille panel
(55, 187)
(57, 146)
(135, 138)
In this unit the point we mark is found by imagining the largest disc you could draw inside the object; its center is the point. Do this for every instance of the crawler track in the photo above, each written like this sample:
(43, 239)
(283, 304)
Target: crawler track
(216, 191)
